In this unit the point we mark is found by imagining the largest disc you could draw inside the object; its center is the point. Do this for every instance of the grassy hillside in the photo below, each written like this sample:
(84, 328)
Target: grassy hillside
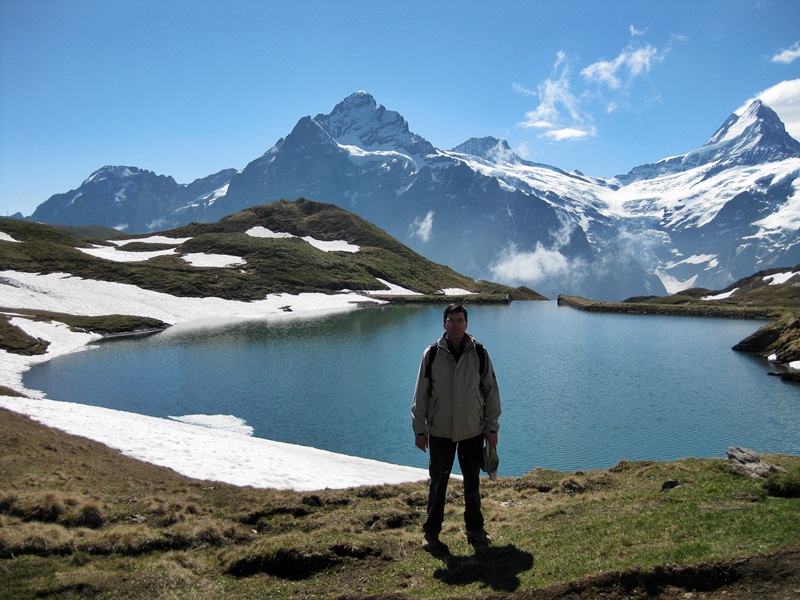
(288, 265)
(79, 520)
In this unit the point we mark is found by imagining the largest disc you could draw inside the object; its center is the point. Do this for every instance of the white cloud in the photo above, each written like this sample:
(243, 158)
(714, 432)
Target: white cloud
(564, 114)
(559, 109)
(788, 55)
(541, 265)
(533, 268)
(630, 63)
(784, 99)
(554, 97)
(422, 228)
(570, 133)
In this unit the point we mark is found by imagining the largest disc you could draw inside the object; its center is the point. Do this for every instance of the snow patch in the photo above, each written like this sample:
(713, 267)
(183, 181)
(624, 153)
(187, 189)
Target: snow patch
(214, 454)
(722, 296)
(109, 253)
(58, 292)
(198, 259)
(779, 278)
(673, 285)
(394, 290)
(153, 239)
(4, 237)
(325, 246)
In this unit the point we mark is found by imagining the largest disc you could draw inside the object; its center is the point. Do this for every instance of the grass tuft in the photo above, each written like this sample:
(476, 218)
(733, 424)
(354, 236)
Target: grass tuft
(783, 485)
(88, 515)
(47, 508)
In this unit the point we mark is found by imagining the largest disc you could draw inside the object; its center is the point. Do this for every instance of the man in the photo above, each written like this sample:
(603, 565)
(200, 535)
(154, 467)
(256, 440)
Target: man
(456, 407)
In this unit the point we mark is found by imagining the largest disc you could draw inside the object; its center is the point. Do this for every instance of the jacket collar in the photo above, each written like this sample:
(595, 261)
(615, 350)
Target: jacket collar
(467, 344)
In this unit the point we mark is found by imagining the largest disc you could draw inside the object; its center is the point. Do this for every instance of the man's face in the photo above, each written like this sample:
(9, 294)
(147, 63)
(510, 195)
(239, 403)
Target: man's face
(455, 325)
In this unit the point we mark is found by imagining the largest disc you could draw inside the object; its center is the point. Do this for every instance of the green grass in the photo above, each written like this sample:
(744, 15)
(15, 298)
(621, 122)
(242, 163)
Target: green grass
(77, 519)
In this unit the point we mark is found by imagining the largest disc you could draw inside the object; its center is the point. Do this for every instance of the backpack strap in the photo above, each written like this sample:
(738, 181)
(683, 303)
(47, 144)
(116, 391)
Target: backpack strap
(431, 355)
(481, 357)
(435, 346)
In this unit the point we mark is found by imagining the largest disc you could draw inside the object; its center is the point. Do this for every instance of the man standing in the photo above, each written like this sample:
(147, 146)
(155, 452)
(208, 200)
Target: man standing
(456, 407)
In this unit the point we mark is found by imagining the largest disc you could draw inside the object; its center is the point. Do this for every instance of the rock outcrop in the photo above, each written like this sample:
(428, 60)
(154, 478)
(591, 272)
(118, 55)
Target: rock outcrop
(746, 462)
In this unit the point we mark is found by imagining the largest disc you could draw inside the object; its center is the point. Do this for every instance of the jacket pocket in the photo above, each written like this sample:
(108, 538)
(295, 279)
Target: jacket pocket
(479, 408)
(433, 409)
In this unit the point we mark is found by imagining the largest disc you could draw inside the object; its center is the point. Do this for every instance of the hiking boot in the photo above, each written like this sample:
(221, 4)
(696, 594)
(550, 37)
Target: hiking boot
(478, 536)
(431, 541)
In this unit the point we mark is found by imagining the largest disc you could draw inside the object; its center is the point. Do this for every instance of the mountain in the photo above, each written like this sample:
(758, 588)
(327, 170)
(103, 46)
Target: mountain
(129, 199)
(702, 219)
(283, 247)
(715, 215)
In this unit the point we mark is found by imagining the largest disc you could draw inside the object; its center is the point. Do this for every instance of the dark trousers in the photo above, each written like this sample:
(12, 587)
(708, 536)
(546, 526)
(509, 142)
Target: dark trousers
(442, 454)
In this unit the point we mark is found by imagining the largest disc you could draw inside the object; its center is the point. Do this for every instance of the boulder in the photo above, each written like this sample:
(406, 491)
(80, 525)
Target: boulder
(746, 462)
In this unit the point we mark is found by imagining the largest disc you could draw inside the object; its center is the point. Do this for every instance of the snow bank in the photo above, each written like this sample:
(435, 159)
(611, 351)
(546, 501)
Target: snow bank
(213, 447)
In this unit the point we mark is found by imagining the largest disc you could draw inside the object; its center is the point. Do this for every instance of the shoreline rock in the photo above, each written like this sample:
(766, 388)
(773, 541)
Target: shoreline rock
(747, 463)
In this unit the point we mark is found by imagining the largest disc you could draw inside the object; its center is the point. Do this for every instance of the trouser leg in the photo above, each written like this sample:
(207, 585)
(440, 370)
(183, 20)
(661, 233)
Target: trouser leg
(442, 453)
(469, 459)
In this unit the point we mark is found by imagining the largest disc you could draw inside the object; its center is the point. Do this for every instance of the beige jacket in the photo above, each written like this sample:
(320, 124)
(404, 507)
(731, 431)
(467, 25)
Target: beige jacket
(456, 401)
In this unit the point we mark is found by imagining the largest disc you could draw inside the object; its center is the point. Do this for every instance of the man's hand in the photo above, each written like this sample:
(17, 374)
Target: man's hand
(491, 440)
(422, 442)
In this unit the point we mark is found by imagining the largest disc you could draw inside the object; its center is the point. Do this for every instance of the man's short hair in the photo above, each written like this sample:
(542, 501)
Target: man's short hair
(455, 308)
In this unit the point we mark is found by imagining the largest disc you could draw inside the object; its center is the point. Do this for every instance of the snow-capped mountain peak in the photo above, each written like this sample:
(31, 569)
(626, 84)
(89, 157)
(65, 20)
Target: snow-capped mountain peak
(752, 135)
(489, 148)
(112, 172)
(755, 126)
(360, 121)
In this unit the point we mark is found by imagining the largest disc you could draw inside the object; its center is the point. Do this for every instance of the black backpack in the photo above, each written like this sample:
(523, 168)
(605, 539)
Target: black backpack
(435, 347)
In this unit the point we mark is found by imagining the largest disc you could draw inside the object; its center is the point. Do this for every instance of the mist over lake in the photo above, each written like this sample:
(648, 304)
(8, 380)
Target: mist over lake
(579, 390)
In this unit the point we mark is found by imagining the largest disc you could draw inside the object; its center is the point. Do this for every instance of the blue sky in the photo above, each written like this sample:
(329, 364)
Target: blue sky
(187, 88)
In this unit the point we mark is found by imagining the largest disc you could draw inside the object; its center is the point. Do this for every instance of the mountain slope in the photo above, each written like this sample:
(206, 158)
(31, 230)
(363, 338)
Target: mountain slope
(285, 247)
(128, 199)
(705, 218)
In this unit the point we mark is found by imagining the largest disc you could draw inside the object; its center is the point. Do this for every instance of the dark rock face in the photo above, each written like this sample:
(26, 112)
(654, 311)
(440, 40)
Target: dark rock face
(780, 338)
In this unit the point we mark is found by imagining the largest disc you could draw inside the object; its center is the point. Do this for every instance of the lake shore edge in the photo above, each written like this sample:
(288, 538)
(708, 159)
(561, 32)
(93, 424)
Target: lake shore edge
(778, 341)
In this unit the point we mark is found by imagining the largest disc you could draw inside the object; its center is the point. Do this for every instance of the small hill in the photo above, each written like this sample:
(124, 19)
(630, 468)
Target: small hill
(269, 249)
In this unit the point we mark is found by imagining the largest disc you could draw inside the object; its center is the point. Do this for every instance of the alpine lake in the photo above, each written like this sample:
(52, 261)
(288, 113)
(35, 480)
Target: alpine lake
(579, 390)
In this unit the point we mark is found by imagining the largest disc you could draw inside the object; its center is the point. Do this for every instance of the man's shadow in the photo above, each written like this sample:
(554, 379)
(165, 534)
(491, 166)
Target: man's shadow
(496, 567)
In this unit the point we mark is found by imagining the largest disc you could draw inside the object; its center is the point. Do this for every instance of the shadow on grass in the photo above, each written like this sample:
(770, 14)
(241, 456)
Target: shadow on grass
(496, 567)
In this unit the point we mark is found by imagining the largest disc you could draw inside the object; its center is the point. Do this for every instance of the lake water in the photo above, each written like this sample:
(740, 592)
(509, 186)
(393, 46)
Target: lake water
(579, 390)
